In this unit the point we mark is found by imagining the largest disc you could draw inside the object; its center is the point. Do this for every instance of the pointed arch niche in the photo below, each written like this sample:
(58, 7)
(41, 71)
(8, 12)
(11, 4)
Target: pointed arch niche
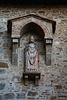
(33, 25)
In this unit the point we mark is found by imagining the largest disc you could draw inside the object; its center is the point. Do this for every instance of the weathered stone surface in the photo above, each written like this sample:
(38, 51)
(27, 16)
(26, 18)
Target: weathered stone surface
(3, 65)
(9, 96)
(1, 33)
(53, 98)
(65, 49)
(48, 59)
(14, 59)
(32, 93)
(16, 78)
(21, 95)
(30, 98)
(41, 11)
(55, 72)
(1, 51)
(2, 71)
(0, 97)
(2, 86)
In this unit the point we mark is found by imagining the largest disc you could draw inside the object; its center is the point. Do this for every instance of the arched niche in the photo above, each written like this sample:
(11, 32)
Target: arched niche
(32, 23)
(32, 29)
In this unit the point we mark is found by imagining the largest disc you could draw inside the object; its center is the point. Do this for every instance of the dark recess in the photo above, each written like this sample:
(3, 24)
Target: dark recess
(34, 2)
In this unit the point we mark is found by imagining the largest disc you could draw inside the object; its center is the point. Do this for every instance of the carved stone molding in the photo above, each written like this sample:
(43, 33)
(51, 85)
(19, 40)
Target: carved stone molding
(17, 24)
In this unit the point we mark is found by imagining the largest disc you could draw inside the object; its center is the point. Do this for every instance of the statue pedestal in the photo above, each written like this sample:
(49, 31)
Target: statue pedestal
(31, 76)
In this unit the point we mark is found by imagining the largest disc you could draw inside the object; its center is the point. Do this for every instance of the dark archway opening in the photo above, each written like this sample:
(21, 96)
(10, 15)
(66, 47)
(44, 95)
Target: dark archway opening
(32, 28)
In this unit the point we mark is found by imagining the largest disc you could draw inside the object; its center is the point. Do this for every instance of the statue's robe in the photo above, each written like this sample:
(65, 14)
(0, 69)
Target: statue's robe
(31, 59)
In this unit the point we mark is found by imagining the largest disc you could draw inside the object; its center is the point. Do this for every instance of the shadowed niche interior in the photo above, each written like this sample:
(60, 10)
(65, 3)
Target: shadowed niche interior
(32, 28)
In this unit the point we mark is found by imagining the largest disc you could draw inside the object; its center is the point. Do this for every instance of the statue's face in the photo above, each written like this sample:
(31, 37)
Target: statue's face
(31, 40)
(31, 47)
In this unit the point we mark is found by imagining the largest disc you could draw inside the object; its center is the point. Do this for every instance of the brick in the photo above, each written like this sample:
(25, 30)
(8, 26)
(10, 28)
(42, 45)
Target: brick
(2, 86)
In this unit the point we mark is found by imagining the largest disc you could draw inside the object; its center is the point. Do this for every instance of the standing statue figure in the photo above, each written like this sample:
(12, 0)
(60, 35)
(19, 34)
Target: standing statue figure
(31, 56)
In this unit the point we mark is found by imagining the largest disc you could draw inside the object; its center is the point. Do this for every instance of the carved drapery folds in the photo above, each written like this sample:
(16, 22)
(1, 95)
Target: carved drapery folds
(45, 28)
(31, 56)
(31, 62)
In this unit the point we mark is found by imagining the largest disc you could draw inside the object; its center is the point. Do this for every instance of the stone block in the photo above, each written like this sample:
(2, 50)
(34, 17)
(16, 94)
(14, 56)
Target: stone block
(48, 59)
(0, 97)
(42, 11)
(2, 86)
(3, 65)
(14, 59)
(1, 33)
(53, 98)
(9, 96)
(3, 20)
(2, 71)
(1, 50)
(31, 98)
(65, 82)
(32, 93)
(58, 86)
(65, 49)
(5, 45)
(16, 78)
(21, 95)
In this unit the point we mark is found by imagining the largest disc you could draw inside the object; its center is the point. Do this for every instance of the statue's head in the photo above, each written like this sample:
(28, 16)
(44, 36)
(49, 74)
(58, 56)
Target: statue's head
(31, 39)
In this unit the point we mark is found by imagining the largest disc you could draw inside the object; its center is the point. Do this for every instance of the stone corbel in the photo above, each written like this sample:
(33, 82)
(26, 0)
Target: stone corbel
(31, 76)
(48, 49)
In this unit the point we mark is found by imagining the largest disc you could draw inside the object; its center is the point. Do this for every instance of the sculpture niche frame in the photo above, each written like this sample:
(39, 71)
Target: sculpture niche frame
(15, 26)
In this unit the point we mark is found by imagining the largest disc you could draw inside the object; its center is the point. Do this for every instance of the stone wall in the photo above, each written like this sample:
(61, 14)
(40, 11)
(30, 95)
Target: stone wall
(53, 81)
